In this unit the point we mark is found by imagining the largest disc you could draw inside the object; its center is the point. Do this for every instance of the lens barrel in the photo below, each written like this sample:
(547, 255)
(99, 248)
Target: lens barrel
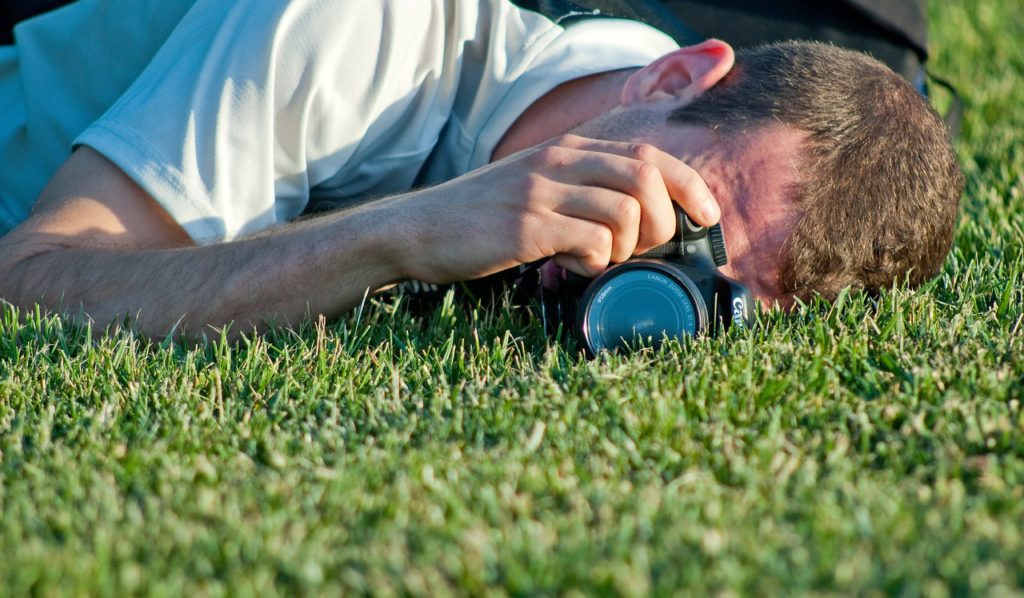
(646, 301)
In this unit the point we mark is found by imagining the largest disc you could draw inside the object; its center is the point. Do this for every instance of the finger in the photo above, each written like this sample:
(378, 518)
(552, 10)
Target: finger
(638, 225)
(573, 264)
(619, 212)
(684, 184)
(580, 245)
(642, 182)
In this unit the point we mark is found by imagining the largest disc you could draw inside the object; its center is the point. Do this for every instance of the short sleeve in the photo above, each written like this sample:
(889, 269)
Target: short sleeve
(250, 104)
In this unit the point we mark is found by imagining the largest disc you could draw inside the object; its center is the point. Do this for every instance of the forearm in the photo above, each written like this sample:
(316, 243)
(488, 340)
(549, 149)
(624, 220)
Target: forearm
(319, 266)
(98, 244)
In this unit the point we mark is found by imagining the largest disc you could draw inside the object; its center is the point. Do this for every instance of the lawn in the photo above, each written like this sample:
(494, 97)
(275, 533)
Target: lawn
(863, 447)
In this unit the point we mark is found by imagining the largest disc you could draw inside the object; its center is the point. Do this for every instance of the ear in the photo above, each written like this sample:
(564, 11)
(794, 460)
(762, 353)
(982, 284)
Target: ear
(681, 75)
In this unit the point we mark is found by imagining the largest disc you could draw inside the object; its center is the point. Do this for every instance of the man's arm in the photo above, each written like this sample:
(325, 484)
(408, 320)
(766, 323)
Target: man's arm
(98, 244)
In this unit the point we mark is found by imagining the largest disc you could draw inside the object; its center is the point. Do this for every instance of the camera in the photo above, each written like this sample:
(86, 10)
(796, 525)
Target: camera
(670, 292)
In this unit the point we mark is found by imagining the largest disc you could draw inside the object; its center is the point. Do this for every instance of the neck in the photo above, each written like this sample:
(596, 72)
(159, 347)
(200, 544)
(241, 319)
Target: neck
(561, 109)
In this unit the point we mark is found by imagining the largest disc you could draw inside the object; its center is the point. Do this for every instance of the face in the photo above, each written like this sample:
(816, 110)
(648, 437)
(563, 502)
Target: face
(750, 174)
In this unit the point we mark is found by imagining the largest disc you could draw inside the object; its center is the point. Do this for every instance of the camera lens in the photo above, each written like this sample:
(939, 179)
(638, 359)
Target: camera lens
(639, 301)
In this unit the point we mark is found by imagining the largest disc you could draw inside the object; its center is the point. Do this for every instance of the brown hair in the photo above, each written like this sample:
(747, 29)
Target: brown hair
(879, 182)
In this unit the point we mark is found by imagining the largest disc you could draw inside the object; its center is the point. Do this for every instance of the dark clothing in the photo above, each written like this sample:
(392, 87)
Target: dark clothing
(893, 31)
(13, 12)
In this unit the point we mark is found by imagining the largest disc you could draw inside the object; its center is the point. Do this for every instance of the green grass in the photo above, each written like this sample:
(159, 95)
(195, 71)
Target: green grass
(858, 448)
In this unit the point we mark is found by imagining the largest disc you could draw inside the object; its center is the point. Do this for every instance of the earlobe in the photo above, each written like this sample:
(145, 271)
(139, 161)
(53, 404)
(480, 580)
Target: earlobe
(681, 75)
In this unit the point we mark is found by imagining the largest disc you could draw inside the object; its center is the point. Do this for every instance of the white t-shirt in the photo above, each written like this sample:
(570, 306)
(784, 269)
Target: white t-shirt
(249, 107)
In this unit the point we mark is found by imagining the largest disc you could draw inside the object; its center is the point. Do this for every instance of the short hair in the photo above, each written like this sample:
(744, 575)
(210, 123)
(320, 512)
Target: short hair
(878, 181)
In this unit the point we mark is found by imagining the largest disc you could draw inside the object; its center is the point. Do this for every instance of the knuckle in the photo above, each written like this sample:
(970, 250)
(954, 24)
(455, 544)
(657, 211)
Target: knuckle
(644, 152)
(564, 140)
(687, 176)
(647, 174)
(626, 211)
(551, 155)
(602, 240)
(567, 140)
(534, 185)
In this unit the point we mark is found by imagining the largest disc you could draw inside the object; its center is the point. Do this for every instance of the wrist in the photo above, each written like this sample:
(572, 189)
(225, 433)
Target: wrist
(389, 231)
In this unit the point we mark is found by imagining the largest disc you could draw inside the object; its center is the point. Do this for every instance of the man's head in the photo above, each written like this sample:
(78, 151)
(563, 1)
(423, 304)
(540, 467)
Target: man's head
(832, 171)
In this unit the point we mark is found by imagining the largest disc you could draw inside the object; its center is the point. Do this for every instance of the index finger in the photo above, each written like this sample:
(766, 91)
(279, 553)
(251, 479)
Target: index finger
(684, 184)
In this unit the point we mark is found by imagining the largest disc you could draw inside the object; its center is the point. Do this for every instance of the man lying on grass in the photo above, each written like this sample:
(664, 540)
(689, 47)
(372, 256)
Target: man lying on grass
(488, 136)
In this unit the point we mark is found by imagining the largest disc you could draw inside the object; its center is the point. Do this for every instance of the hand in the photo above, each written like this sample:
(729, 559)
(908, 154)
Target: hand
(584, 202)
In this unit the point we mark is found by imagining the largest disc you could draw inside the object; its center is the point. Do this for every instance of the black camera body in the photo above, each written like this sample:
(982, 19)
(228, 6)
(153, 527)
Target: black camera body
(670, 292)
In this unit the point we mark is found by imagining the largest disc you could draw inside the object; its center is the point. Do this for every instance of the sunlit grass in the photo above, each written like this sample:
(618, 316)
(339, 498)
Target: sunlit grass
(864, 446)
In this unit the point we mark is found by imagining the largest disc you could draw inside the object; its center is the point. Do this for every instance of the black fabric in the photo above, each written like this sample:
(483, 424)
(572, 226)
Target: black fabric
(655, 14)
(13, 12)
(907, 19)
(745, 23)
(894, 31)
